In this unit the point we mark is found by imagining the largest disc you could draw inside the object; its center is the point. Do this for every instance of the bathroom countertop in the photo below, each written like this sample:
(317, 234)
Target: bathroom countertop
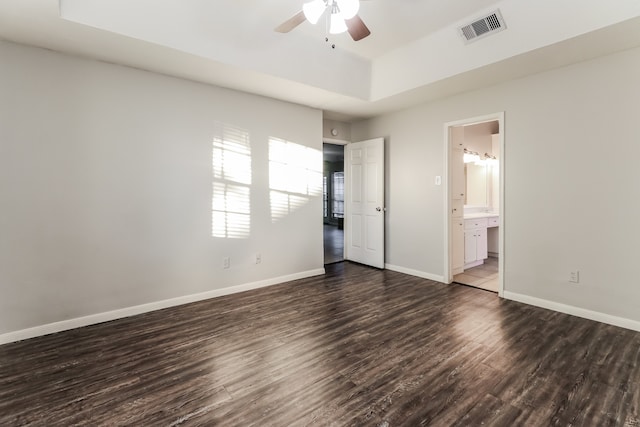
(480, 215)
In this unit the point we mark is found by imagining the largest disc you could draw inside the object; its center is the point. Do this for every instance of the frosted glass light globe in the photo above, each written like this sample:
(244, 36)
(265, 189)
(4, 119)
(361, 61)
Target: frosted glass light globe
(337, 24)
(314, 10)
(349, 8)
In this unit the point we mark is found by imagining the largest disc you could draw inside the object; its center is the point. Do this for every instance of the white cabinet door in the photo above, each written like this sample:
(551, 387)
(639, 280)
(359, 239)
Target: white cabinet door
(470, 246)
(475, 245)
(458, 245)
(457, 209)
(481, 244)
(457, 174)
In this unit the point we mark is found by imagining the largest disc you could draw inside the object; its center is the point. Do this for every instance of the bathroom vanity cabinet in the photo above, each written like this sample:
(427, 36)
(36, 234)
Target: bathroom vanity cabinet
(475, 242)
(475, 238)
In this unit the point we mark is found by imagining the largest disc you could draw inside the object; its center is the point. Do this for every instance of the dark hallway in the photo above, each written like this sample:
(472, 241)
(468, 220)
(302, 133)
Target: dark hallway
(333, 195)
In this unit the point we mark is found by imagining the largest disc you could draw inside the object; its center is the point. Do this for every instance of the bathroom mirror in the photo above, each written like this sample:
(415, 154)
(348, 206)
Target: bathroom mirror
(477, 179)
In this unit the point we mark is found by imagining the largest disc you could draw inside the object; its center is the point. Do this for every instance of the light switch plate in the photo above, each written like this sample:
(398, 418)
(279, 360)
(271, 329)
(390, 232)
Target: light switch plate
(574, 276)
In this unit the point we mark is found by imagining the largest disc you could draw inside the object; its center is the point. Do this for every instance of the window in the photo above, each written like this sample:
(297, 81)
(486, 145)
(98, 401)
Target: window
(338, 194)
(325, 197)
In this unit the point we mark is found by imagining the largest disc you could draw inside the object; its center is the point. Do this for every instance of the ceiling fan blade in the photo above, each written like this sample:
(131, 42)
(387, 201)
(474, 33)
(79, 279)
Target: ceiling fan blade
(291, 23)
(357, 29)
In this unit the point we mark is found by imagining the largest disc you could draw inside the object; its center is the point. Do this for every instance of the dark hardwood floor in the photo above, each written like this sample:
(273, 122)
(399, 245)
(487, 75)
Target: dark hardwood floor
(358, 346)
(333, 244)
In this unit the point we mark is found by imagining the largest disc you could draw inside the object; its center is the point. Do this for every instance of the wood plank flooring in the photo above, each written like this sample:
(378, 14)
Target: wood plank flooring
(356, 347)
(333, 244)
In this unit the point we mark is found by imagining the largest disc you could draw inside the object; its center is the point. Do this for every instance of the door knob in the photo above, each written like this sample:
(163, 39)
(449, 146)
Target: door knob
(378, 208)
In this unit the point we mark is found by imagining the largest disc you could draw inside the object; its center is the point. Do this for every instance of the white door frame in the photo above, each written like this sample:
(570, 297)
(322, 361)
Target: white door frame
(344, 143)
(448, 276)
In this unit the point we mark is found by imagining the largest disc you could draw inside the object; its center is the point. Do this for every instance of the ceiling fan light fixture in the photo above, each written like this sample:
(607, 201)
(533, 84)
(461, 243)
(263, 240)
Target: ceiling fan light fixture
(337, 24)
(313, 10)
(349, 8)
(341, 17)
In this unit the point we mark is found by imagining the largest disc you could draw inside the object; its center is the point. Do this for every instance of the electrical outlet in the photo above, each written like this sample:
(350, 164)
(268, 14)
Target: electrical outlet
(258, 258)
(574, 276)
(226, 262)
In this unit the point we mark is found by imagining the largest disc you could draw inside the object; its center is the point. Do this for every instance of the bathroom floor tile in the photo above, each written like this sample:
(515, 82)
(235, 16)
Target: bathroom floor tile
(483, 273)
(484, 276)
(489, 285)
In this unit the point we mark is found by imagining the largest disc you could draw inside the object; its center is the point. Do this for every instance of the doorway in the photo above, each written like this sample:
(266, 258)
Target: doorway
(475, 208)
(333, 202)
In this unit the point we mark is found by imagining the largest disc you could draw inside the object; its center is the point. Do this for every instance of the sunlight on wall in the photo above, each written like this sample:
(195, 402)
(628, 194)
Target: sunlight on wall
(231, 205)
(231, 211)
(295, 175)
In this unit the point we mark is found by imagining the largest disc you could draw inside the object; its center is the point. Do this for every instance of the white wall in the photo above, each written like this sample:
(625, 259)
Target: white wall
(343, 129)
(571, 185)
(106, 189)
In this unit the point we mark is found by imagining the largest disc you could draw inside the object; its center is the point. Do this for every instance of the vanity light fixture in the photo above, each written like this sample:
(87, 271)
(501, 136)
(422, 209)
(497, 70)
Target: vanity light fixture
(490, 159)
(474, 157)
(471, 156)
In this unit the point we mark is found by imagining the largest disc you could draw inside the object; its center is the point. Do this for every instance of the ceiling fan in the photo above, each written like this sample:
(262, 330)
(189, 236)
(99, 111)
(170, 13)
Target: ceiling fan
(343, 16)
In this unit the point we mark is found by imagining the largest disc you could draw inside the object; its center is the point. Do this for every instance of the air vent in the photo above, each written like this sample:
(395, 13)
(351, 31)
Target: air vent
(478, 29)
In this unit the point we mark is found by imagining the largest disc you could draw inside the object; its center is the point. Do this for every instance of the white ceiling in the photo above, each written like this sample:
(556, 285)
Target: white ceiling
(393, 22)
(413, 55)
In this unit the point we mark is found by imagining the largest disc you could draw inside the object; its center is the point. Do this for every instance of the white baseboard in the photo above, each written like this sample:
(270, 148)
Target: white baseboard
(92, 319)
(416, 273)
(574, 311)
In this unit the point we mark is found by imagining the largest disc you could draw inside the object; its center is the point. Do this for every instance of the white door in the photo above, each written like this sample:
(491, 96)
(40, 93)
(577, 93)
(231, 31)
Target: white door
(364, 204)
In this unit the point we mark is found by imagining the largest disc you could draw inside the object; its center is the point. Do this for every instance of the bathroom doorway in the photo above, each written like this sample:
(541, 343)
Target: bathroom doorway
(475, 210)
(333, 202)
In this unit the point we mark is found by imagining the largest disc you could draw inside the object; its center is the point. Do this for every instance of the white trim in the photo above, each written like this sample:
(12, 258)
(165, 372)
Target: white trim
(448, 271)
(346, 223)
(475, 120)
(92, 319)
(574, 311)
(501, 219)
(335, 141)
(344, 144)
(416, 273)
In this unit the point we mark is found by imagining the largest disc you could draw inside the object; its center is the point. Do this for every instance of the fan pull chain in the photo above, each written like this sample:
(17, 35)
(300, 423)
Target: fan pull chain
(333, 45)
(326, 34)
